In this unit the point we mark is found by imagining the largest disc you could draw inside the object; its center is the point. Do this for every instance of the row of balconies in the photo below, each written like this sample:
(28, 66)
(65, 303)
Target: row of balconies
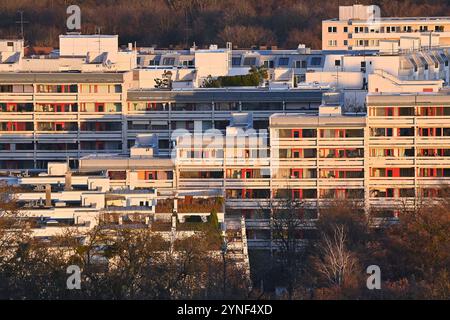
(61, 97)
(313, 183)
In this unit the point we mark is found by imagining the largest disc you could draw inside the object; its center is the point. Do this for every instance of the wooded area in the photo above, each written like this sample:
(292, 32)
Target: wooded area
(180, 23)
(413, 256)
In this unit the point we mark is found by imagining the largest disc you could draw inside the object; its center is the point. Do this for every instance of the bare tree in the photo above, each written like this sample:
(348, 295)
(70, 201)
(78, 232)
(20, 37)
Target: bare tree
(287, 225)
(335, 262)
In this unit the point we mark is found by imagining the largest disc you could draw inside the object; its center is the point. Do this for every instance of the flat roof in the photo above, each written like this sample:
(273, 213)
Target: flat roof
(424, 98)
(107, 36)
(282, 120)
(394, 19)
(122, 162)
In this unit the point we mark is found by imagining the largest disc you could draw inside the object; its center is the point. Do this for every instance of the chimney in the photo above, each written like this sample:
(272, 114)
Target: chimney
(48, 195)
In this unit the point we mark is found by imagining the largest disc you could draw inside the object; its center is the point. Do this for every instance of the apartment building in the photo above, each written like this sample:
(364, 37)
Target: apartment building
(59, 200)
(350, 70)
(393, 157)
(46, 116)
(89, 97)
(361, 27)
(189, 68)
(164, 112)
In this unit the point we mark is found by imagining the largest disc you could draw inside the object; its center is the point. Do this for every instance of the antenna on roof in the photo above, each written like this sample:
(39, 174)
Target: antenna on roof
(22, 22)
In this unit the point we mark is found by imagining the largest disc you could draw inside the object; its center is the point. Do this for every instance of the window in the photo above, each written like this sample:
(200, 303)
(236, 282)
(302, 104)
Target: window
(249, 61)
(296, 173)
(154, 62)
(226, 106)
(99, 107)
(268, 64)
(296, 153)
(168, 61)
(300, 64)
(283, 61)
(362, 43)
(236, 61)
(316, 61)
(332, 29)
(332, 43)
(345, 29)
(187, 63)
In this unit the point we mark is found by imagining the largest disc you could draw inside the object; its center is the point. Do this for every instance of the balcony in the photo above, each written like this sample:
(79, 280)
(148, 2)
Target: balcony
(248, 183)
(432, 141)
(200, 183)
(294, 162)
(16, 134)
(341, 162)
(392, 182)
(100, 135)
(424, 121)
(291, 142)
(435, 182)
(158, 184)
(86, 116)
(391, 161)
(264, 244)
(432, 161)
(19, 97)
(56, 116)
(391, 121)
(342, 183)
(341, 142)
(52, 97)
(392, 203)
(16, 116)
(288, 183)
(248, 203)
(104, 97)
(264, 224)
(197, 162)
(252, 162)
(391, 141)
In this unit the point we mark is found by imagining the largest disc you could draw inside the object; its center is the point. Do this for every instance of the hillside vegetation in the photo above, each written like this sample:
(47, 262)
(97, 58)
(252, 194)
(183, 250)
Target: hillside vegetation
(179, 23)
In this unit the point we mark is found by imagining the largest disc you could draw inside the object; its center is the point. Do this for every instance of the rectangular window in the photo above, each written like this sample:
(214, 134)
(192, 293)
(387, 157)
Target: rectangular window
(283, 61)
(296, 173)
(297, 153)
(296, 133)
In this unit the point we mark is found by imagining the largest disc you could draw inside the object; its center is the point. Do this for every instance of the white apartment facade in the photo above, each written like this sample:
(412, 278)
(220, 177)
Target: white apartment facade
(60, 201)
(313, 157)
(361, 27)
